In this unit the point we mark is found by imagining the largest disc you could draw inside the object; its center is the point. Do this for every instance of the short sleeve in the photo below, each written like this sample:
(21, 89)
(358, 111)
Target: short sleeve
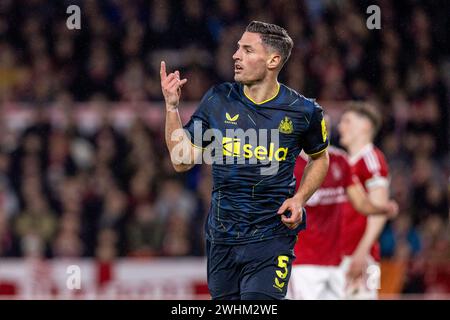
(316, 139)
(377, 170)
(348, 178)
(199, 121)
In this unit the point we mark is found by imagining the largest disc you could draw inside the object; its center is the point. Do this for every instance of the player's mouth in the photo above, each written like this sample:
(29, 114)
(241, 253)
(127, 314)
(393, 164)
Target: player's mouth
(237, 68)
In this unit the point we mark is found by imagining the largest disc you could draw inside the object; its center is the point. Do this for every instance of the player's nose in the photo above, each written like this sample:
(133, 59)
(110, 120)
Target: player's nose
(236, 55)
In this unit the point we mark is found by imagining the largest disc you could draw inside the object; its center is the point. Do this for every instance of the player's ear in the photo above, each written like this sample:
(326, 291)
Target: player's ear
(274, 61)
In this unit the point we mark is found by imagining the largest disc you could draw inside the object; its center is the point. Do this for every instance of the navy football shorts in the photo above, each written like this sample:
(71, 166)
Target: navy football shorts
(260, 269)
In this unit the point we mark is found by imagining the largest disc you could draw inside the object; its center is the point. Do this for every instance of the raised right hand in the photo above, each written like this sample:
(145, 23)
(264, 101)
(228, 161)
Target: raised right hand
(171, 87)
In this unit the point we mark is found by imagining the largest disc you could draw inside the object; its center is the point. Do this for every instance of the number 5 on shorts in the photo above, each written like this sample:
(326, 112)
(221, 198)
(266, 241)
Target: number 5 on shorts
(282, 264)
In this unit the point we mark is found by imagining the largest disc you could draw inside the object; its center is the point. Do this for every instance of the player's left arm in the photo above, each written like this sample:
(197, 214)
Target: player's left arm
(361, 202)
(315, 143)
(313, 176)
(379, 196)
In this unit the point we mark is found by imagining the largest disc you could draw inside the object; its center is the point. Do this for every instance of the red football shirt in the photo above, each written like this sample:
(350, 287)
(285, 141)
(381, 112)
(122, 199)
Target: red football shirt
(319, 243)
(370, 166)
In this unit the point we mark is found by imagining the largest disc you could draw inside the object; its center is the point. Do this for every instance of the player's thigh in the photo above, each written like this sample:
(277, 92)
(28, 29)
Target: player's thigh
(267, 267)
(222, 272)
(370, 284)
(372, 280)
(336, 284)
(308, 282)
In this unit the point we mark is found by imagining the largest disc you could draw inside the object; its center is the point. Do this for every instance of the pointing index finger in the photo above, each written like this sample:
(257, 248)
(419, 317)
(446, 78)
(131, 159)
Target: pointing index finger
(162, 71)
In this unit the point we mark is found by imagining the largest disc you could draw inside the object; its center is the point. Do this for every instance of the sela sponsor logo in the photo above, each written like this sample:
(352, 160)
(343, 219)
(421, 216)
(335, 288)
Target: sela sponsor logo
(233, 147)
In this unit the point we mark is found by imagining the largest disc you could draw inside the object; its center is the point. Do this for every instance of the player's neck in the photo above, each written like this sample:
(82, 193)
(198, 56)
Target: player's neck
(263, 91)
(356, 147)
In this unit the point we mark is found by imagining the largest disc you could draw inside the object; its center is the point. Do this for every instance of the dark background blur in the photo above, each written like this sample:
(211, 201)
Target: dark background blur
(108, 190)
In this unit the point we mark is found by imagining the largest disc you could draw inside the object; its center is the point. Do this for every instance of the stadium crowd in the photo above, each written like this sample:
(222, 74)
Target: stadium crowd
(110, 193)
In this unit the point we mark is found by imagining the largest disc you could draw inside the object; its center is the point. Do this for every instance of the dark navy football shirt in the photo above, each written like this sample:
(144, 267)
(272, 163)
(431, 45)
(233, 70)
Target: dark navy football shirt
(253, 176)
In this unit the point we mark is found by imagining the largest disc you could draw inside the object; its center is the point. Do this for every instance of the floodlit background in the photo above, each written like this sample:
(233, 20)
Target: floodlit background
(85, 177)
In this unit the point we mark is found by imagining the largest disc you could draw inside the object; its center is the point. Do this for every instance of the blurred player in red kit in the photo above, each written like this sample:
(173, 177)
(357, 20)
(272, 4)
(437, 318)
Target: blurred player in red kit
(357, 128)
(317, 272)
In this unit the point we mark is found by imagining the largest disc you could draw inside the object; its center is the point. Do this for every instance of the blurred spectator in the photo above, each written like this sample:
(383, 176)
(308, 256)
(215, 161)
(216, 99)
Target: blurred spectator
(176, 235)
(35, 226)
(6, 238)
(145, 232)
(174, 198)
(114, 215)
(8, 199)
(106, 248)
(400, 240)
(67, 241)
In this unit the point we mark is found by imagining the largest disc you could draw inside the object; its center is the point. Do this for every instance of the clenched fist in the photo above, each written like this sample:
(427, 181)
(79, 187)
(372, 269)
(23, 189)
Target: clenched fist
(171, 87)
(295, 206)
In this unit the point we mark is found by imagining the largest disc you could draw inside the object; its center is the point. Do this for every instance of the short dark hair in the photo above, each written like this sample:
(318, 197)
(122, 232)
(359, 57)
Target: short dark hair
(366, 110)
(273, 36)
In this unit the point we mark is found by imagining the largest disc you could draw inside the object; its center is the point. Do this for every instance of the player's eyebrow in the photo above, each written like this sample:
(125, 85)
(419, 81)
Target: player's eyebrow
(245, 46)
